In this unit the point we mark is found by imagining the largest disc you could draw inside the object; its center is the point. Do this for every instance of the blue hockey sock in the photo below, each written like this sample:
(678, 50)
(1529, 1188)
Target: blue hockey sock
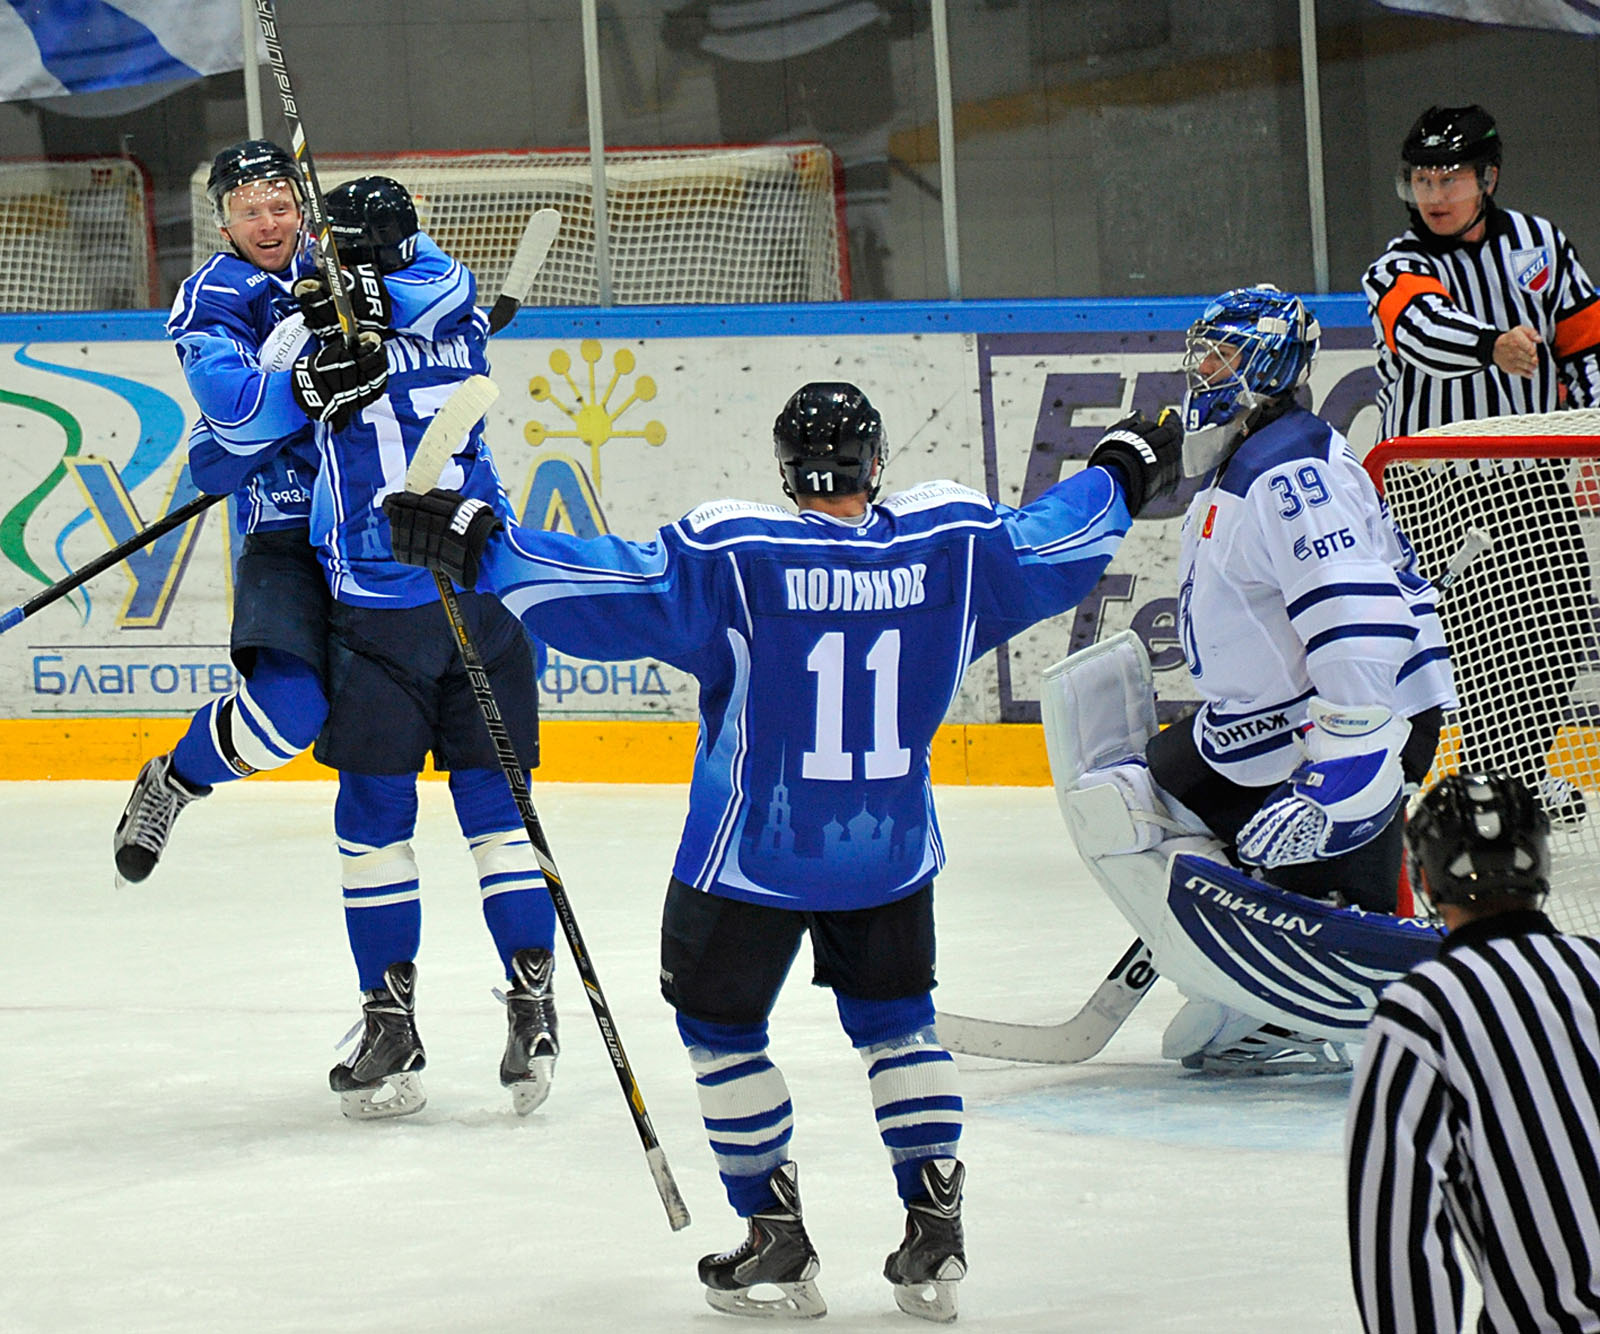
(264, 723)
(374, 817)
(913, 1082)
(744, 1103)
(516, 904)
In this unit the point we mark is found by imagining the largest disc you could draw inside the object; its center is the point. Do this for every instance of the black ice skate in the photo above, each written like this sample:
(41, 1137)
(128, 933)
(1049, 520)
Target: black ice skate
(932, 1258)
(777, 1255)
(380, 1078)
(158, 795)
(531, 1043)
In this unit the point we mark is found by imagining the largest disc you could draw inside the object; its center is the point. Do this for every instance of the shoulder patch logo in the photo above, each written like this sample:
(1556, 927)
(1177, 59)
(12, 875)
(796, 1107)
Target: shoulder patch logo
(1531, 268)
(1211, 518)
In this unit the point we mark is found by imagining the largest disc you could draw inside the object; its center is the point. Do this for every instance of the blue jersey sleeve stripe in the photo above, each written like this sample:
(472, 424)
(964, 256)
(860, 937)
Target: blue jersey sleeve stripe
(1359, 631)
(1224, 719)
(1326, 591)
(1417, 661)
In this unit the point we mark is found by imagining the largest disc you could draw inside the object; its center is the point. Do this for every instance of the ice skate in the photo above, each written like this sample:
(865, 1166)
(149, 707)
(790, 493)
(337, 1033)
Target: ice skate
(381, 1078)
(158, 795)
(531, 1043)
(932, 1258)
(776, 1256)
(1207, 1035)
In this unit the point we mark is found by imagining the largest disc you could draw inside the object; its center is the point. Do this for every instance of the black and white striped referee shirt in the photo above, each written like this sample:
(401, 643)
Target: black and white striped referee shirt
(1437, 306)
(1475, 1118)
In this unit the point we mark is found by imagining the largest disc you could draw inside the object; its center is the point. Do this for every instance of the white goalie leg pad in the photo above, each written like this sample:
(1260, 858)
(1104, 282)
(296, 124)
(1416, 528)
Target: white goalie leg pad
(1280, 958)
(1098, 706)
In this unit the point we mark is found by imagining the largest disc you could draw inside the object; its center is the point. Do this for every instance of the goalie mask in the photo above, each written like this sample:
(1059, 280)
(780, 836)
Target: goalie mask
(374, 222)
(1478, 836)
(245, 163)
(1249, 346)
(829, 441)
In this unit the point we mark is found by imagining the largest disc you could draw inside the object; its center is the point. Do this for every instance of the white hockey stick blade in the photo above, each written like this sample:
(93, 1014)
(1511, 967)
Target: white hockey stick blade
(462, 411)
(1075, 1039)
(1476, 543)
(537, 238)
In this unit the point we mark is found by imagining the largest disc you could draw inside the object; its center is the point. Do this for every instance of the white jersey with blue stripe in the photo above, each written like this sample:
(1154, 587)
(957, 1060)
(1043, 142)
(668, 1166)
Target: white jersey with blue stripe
(827, 653)
(367, 461)
(253, 439)
(1295, 582)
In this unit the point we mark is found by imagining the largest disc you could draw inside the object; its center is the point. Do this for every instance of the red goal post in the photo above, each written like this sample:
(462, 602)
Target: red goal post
(684, 225)
(1521, 617)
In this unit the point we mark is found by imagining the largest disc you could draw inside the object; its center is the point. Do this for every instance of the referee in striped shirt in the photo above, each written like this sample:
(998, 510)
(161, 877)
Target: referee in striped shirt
(1473, 1118)
(1481, 311)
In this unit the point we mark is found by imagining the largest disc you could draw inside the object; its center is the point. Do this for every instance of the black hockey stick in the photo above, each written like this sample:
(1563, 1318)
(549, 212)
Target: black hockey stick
(143, 538)
(315, 209)
(423, 473)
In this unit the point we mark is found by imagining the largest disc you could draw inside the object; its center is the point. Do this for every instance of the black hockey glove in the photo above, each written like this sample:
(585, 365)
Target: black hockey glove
(369, 301)
(333, 383)
(441, 531)
(1146, 455)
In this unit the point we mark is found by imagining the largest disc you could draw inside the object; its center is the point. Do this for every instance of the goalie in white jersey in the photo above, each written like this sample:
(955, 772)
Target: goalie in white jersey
(1315, 646)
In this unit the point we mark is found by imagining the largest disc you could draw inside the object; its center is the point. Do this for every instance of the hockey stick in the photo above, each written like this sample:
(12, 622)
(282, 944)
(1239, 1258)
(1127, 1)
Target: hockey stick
(143, 538)
(537, 238)
(432, 455)
(1476, 544)
(1073, 1040)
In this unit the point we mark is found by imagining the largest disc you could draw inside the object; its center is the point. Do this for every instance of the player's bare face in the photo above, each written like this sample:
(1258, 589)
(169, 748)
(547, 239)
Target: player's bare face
(1218, 365)
(264, 223)
(1448, 198)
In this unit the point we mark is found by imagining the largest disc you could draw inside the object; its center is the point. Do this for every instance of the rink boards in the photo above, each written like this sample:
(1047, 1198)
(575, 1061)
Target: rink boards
(608, 421)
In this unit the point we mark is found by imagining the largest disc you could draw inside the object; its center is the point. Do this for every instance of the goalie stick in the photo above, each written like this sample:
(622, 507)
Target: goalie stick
(1073, 1040)
(442, 438)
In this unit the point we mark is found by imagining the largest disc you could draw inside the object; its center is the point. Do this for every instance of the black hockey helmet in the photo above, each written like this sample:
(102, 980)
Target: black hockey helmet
(1452, 137)
(828, 440)
(250, 160)
(373, 222)
(1478, 836)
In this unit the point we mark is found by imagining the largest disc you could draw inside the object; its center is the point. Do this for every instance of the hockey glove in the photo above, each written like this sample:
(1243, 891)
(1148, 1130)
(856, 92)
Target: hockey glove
(335, 382)
(1146, 455)
(1342, 795)
(369, 302)
(441, 531)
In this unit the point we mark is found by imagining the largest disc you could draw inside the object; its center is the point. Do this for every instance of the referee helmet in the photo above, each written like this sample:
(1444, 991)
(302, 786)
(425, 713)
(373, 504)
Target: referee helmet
(1477, 836)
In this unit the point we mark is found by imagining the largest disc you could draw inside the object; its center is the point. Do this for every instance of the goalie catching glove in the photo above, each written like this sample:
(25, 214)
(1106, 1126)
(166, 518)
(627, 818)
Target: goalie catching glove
(369, 302)
(1343, 794)
(336, 381)
(441, 531)
(1147, 455)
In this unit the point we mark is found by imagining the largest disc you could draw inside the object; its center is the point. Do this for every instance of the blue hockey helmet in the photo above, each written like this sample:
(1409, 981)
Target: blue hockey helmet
(1250, 345)
(829, 441)
(373, 222)
(1477, 836)
(245, 162)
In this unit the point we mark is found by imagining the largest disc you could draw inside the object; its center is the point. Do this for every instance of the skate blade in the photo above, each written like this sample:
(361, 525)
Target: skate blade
(794, 1301)
(398, 1095)
(934, 1300)
(528, 1094)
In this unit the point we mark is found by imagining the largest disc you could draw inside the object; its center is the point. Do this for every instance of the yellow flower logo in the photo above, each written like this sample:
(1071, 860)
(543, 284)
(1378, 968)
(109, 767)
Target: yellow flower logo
(594, 420)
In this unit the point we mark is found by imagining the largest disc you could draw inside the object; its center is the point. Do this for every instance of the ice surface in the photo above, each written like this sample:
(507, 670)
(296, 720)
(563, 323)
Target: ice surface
(171, 1158)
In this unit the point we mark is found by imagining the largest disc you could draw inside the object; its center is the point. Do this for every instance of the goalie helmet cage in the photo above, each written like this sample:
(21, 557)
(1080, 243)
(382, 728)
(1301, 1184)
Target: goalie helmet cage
(700, 225)
(76, 234)
(1520, 619)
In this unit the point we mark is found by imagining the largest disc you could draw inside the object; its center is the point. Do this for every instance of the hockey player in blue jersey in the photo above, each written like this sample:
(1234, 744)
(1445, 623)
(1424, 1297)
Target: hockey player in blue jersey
(254, 440)
(397, 690)
(828, 645)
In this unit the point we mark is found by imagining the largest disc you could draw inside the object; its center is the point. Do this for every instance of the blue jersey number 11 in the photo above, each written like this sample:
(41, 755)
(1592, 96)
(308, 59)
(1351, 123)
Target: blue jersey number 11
(828, 759)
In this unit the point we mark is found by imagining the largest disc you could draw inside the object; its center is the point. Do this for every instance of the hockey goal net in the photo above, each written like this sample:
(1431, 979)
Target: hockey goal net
(1520, 617)
(698, 225)
(76, 235)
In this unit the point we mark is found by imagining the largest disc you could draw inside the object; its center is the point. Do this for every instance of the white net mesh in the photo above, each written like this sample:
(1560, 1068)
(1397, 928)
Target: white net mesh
(684, 225)
(75, 236)
(1521, 617)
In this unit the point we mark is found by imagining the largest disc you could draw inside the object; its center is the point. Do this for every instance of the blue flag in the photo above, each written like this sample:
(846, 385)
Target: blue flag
(49, 48)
